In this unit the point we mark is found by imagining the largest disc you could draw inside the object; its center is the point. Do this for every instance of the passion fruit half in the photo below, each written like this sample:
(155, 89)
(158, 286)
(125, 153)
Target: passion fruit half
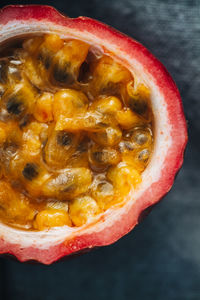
(92, 133)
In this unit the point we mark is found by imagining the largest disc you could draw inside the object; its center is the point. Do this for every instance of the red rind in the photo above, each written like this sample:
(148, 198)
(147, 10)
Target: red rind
(171, 164)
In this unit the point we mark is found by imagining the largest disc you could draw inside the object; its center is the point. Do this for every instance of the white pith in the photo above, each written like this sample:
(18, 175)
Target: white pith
(162, 135)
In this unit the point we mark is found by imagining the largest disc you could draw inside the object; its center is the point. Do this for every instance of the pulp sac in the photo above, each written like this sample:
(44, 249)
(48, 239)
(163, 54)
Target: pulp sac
(76, 132)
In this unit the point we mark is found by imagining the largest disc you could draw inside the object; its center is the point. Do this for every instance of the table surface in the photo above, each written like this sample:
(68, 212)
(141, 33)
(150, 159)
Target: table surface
(160, 259)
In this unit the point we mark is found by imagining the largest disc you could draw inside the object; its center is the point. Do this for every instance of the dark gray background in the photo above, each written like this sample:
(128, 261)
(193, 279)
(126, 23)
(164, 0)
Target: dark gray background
(160, 259)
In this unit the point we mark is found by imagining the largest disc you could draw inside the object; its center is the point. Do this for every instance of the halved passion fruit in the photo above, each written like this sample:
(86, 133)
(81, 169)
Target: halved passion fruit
(92, 132)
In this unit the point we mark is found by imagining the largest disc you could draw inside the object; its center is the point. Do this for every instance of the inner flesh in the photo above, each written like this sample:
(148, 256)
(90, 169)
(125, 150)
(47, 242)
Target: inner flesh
(76, 132)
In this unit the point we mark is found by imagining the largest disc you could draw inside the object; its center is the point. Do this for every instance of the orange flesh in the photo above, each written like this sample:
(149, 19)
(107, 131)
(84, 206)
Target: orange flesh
(75, 133)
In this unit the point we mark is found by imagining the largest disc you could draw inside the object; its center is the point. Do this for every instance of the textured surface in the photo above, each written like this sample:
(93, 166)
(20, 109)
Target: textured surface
(160, 259)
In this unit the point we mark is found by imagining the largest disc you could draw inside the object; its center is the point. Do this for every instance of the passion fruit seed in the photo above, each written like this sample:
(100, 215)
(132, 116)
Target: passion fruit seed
(83, 146)
(15, 106)
(30, 171)
(45, 59)
(64, 138)
(101, 158)
(69, 184)
(144, 155)
(139, 136)
(62, 74)
(75, 133)
(109, 136)
(103, 192)
(59, 148)
(139, 106)
(126, 146)
(104, 189)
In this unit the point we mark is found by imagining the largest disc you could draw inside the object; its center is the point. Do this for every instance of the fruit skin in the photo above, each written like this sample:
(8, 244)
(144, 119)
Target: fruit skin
(48, 246)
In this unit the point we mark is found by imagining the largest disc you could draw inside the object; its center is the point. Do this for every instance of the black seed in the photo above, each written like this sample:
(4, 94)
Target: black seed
(30, 171)
(3, 71)
(45, 59)
(47, 62)
(138, 105)
(83, 146)
(62, 74)
(64, 138)
(14, 106)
